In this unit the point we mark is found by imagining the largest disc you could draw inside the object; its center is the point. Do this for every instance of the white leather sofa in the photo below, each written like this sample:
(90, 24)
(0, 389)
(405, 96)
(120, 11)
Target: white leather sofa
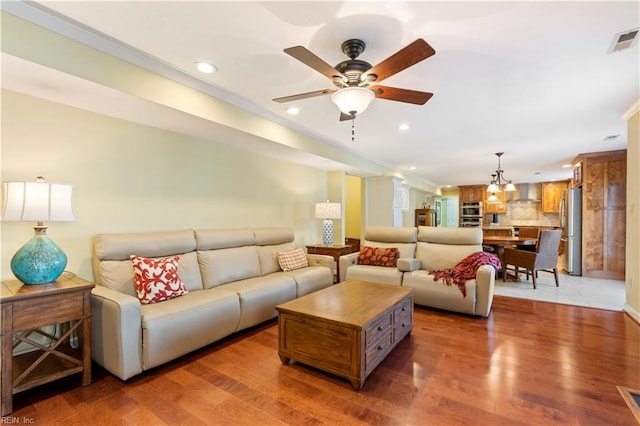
(440, 248)
(434, 249)
(404, 239)
(234, 282)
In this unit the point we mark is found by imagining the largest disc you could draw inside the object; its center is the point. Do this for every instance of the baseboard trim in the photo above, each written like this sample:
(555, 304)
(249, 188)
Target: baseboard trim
(635, 315)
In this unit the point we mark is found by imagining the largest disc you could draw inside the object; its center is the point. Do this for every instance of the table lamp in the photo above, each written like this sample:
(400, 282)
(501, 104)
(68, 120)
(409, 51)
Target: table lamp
(328, 211)
(40, 260)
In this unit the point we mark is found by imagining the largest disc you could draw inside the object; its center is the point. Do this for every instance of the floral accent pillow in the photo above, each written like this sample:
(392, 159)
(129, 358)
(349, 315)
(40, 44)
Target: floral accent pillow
(157, 279)
(378, 256)
(293, 259)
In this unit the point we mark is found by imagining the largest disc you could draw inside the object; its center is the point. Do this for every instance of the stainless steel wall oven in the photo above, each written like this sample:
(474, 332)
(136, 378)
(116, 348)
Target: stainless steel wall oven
(470, 213)
(471, 209)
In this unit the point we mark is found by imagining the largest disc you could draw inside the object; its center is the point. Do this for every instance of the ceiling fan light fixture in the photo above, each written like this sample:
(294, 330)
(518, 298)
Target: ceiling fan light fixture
(352, 100)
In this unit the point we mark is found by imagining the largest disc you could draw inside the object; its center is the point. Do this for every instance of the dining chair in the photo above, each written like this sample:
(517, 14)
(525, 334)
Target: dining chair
(545, 258)
(528, 233)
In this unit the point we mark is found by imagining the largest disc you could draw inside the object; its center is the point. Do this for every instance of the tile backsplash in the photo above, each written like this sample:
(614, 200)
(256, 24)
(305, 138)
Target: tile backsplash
(526, 214)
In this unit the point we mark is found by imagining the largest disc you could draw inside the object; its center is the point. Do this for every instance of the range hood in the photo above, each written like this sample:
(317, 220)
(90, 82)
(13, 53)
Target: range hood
(527, 193)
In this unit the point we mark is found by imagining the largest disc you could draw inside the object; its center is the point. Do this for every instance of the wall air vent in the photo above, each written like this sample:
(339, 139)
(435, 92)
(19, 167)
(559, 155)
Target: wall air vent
(624, 40)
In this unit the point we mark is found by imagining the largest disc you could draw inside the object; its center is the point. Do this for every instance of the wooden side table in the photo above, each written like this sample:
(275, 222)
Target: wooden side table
(333, 251)
(26, 309)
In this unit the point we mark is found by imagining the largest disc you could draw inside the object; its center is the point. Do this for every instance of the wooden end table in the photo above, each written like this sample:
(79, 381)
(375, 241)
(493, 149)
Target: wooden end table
(333, 251)
(26, 309)
(346, 329)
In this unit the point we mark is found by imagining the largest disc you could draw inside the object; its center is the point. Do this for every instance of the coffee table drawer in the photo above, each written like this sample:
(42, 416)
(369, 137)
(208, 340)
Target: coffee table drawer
(403, 308)
(402, 327)
(373, 332)
(374, 355)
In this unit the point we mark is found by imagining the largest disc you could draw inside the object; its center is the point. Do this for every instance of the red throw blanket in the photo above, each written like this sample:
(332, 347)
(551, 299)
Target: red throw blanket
(466, 269)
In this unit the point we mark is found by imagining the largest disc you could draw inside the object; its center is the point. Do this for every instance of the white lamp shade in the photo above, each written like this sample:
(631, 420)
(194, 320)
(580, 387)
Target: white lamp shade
(493, 199)
(328, 211)
(38, 202)
(510, 187)
(352, 100)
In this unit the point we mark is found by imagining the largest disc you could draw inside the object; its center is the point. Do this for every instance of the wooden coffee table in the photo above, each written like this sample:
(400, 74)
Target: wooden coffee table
(346, 329)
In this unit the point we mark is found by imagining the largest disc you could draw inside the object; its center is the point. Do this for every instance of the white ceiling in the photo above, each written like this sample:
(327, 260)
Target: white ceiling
(532, 79)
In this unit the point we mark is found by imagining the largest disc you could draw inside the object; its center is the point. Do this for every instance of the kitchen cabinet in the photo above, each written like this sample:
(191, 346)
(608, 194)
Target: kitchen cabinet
(577, 175)
(604, 192)
(499, 207)
(551, 196)
(473, 193)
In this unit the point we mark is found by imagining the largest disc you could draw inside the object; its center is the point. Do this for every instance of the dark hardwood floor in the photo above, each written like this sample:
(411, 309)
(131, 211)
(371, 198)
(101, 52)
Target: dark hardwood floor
(530, 362)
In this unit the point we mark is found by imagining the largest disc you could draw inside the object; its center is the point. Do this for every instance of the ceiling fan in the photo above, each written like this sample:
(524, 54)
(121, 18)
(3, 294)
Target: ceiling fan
(357, 80)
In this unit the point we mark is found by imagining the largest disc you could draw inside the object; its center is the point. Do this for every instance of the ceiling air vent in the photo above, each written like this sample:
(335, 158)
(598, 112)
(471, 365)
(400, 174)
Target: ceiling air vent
(623, 40)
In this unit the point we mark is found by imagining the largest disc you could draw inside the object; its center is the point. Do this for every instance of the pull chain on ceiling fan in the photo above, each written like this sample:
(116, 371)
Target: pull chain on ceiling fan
(354, 77)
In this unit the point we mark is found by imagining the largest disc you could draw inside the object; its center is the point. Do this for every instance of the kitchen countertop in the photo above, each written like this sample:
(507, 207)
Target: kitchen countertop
(537, 226)
(499, 227)
(535, 223)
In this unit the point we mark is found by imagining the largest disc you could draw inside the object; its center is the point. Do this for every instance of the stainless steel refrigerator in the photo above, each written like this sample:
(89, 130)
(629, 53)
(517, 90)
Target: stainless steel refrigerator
(571, 224)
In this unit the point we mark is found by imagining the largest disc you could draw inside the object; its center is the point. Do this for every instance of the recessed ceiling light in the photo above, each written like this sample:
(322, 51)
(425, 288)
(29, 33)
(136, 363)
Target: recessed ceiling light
(293, 110)
(412, 168)
(205, 67)
(566, 166)
(403, 127)
(611, 138)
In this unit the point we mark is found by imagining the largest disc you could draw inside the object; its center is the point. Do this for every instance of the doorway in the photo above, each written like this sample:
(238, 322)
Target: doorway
(449, 211)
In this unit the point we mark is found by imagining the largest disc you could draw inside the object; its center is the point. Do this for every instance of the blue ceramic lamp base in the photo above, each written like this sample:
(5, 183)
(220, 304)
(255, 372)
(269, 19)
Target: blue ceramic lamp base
(40, 260)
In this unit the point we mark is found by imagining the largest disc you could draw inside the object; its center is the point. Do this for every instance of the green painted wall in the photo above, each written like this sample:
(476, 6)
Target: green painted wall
(133, 178)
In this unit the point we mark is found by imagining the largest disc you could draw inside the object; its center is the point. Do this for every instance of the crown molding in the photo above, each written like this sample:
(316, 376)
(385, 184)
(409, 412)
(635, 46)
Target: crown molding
(633, 110)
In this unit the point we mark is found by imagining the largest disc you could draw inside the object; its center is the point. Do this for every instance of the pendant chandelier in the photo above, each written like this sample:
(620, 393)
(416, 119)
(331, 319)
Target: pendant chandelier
(499, 182)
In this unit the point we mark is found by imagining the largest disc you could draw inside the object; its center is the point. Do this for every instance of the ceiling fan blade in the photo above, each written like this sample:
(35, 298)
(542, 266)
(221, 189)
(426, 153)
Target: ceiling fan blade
(310, 59)
(410, 55)
(305, 95)
(345, 117)
(401, 95)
